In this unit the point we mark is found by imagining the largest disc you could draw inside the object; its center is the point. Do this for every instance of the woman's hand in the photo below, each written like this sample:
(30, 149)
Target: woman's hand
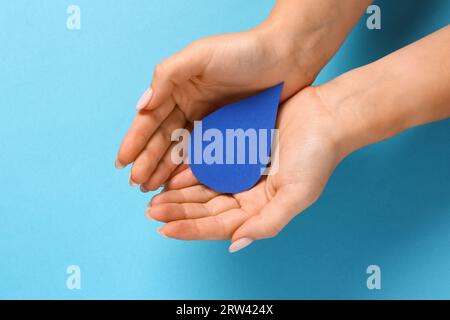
(318, 127)
(291, 46)
(308, 154)
(189, 85)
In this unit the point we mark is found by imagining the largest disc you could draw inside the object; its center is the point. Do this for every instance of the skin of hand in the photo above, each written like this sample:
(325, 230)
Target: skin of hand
(308, 154)
(291, 46)
(318, 128)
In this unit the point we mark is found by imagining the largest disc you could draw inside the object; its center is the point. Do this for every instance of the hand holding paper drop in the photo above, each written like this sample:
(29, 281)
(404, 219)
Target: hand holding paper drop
(228, 148)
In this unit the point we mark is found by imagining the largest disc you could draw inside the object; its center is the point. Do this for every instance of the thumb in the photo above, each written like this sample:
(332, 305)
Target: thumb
(175, 70)
(284, 206)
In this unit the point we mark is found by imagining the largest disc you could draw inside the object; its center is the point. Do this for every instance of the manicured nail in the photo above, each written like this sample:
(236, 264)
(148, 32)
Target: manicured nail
(119, 165)
(147, 213)
(160, 230)
(240, 244)
(145, 99)
(143, 189)
(132, 183)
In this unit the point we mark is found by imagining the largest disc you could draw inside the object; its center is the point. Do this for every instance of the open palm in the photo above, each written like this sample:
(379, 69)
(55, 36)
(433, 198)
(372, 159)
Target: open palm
(308, 154)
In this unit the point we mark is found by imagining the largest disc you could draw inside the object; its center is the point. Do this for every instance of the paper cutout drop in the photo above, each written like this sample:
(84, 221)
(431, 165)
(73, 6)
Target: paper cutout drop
(218, 157)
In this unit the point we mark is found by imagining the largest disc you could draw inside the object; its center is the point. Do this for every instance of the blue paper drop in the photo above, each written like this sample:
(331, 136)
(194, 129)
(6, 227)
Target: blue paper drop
(255, 113)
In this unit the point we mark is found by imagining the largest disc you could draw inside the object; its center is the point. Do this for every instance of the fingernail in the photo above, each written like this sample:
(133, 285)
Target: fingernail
(239, 244)
(145, 99)
(132, 183)
(147, 213)
(160, 230)
(143, 189)
(119, 165)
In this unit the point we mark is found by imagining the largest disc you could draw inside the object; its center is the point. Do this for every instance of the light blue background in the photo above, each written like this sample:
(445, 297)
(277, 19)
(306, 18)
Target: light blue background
(66, 100)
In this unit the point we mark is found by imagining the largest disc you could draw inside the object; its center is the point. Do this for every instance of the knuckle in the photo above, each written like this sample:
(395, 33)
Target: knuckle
(140, 135)
(159, 70)
(165, 131)
(272, 231)
(311, 195)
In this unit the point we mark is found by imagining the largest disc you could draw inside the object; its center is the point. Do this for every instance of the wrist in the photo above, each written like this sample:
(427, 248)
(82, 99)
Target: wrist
(309, 32)
(384, 98)
(364, 107)
(304, 48)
